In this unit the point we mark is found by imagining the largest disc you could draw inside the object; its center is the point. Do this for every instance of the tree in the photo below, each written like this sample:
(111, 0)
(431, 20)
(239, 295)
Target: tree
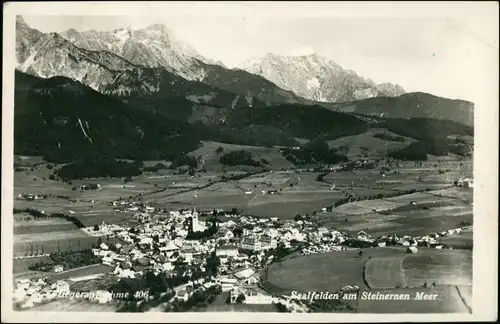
(219, 150)
(96, 227)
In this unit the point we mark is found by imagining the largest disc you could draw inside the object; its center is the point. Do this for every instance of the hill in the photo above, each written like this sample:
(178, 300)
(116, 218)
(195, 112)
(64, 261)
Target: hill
(413, 105)
(371, 143)
(210, 153)
(63, 120)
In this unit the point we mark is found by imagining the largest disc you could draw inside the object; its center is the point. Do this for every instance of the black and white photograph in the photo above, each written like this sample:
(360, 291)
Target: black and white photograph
(243, 157)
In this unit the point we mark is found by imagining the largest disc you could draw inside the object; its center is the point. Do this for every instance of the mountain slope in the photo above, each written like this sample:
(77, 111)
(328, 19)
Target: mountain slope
(111, 74)
(26, 38)
(156, 46)
(64, 120)
(414, 105)
(316, 78)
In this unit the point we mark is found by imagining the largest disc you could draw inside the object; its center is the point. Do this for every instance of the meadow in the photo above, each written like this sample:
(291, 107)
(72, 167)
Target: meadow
(75, 305)
(207, 153)
(325, 271)
(444, 268)
(384, 270)
(94, 269)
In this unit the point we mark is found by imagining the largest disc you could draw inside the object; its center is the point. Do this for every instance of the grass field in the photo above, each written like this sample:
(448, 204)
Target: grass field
(21, 265)
(82, 272)
(52, 244)
(385, 272)
(211, 158)
(464, 239)
(305, 196)
(366, 143)
(387, 269)
(415, 221)
(75, 305)
(443, 267)
(324, 272)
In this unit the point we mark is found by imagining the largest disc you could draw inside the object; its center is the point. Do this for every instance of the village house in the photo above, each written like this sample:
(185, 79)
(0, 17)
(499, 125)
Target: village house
(412, 249)
(268, 242)
(251, 244)
(227, 251)
(246, 276)
(58, 268)
(223, 234)
(226, 283)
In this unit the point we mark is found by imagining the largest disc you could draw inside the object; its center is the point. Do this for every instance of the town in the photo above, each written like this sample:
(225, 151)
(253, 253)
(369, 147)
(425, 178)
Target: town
(198, 254)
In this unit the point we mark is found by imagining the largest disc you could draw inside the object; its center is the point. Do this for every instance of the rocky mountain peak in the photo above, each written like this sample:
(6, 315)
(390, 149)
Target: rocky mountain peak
(316, 78)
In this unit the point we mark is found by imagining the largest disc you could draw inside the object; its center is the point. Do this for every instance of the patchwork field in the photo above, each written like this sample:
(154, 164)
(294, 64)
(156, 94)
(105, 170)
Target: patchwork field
(95, 269)
(324, 272)
(52, 242)
(207, 153)
(367, 144)
(462, 240)
(446, 267)
(428, 266)
(382, 270)
(385, 272)
(21, 265)
(75, 305)
(304, 196)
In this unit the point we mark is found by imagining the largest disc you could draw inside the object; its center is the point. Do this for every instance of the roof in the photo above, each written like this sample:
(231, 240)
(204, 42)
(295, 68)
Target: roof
(227, 247)
(245, 273)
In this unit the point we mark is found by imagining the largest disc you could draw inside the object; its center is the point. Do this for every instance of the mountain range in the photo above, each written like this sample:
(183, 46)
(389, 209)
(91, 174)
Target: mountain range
(144, 94)
(316, 78)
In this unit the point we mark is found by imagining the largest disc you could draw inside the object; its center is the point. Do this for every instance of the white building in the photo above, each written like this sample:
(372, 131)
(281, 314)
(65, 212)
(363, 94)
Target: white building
(251, 244)
(227, 284)
(227, 251)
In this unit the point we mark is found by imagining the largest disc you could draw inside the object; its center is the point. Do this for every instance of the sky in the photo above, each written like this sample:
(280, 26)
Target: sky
(442, 55)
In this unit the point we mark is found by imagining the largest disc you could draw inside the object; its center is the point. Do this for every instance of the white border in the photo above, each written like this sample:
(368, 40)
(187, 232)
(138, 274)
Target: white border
(485, 158)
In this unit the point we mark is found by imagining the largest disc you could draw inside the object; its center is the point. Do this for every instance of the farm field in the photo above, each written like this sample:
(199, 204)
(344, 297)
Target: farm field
(366, 143)
(442, 267)
(448, 300)
(306, 196)
(324, 272)
(385, 272)
(38, 229)
(381, 270)
(25, 219)
(75, 305)
(366, 206)
(82, 272)
(21, 265)
(464, 194)
(253, 308)
(49, 244)
(446, 267)
(462, 240)
(410, 222)
(40, 237)
(207, 153)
